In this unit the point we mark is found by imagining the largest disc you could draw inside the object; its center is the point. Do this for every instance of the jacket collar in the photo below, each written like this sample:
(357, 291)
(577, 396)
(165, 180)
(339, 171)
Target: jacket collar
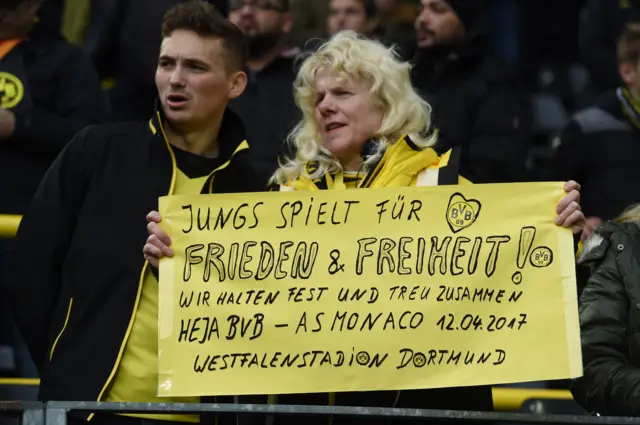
(398, 167)
(231, 140)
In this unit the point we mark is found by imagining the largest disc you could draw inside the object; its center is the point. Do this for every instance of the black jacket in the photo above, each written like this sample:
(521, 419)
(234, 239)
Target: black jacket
(601, 24)
(478, 105)
(77, 264)
(599, 148)
(61, 96)
(610, 323)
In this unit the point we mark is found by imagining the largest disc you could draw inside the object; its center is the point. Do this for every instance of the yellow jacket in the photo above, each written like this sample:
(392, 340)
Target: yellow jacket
(402, 165)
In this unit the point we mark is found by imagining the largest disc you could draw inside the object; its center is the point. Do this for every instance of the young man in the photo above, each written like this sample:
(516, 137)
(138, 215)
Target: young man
(87, 310)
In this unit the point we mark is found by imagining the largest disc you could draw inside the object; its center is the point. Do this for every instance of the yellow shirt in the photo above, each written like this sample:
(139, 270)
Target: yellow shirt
(136, 379)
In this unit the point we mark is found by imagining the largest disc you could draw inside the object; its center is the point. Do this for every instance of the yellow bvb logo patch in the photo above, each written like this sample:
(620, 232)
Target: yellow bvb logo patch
(11, 90)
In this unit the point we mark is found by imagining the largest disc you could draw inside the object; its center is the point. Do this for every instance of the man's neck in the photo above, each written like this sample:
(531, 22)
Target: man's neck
(260, 63)
(200, 141)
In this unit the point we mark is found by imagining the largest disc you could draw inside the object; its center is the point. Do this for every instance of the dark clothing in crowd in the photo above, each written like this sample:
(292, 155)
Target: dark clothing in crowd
(599, 149)
(79, 297)
(601, 25)
(610, 322)
(61, 96)
(478, 105)
(123, 40)
(268, 107)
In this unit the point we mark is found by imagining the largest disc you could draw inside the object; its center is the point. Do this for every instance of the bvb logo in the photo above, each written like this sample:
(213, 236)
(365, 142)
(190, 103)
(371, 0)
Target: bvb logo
(462, 212)
(11, 90)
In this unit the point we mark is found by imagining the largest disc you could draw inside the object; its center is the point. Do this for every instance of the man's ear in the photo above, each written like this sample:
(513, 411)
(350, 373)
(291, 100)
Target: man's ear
(237, 84)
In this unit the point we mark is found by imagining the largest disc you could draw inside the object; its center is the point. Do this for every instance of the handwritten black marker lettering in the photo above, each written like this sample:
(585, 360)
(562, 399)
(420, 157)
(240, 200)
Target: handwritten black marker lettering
(302, 323)
(304, 259)
(306, 294)
(387, 245)
(198, 330)
(495, 251)
(245, 259)
(363, 252)
(251, 296)
(416, 206)
(400, 293)
(256, 221)
(404, 255)
(358, 294)
(399, 205)
(434, 357)
(214, 253)
(241, 326)
(279, 273)
(289, 211)
(191, 259)
(439, 252)
(190, 228)
(458, 252)
(203, 225)
(266, 261)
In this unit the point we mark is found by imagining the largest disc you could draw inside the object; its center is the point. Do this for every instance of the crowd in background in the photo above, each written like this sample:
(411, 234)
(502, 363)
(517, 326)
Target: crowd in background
(528, 90)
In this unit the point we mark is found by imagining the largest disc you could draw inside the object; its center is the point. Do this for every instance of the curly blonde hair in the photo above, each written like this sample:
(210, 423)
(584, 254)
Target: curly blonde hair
(389, 82)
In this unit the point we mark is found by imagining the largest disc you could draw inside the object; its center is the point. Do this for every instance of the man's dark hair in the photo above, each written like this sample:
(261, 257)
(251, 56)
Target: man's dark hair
(629, 43)
(205, 20)
(370, 9)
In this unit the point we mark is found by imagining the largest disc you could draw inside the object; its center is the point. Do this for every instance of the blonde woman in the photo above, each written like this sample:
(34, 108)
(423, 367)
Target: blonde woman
(610, 319)
(364, 126)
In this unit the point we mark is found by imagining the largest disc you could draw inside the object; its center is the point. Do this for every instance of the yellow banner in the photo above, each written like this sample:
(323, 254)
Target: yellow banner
(373, 289)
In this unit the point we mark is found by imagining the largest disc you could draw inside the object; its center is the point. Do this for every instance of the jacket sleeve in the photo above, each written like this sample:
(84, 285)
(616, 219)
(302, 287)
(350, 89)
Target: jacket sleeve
(610, 385)
(596, 42)
(38, 252)
(500, 137)
(80, 102)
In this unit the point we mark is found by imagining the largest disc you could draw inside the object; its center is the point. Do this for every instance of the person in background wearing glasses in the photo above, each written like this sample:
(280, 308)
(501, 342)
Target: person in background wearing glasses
(267, 102)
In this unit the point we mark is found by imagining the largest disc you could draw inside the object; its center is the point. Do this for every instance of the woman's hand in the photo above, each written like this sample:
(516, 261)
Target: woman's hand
(157, 246)
(569, 212)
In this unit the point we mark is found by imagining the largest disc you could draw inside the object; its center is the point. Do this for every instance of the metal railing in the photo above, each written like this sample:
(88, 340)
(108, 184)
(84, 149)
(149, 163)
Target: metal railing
(55, 412)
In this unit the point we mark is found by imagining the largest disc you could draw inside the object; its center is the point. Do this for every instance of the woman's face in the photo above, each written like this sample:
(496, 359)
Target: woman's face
(346, 117)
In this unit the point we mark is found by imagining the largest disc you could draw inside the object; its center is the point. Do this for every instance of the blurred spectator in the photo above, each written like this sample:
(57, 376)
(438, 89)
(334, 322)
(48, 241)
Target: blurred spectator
(48, 92)
(601, 23)
(267, 104)
(477, 101)
(124, 42)
(614, 122)
(357, 15)
(309, 21)
(396, 19)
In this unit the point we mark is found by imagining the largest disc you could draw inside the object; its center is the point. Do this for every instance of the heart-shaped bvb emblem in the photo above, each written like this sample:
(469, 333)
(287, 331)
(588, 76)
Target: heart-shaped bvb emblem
(462, 212)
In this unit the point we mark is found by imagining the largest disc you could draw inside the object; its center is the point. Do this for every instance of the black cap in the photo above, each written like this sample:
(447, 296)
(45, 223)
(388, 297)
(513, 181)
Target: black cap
(468, 11)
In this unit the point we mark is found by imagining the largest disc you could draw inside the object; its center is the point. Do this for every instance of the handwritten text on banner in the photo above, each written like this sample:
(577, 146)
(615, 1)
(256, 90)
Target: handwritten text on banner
(361, 290)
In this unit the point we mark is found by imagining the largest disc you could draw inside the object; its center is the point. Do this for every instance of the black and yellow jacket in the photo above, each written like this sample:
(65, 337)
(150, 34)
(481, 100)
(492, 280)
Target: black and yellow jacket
(77, 265)
(402, 165)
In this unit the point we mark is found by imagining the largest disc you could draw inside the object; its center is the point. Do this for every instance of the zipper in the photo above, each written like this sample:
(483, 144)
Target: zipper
(144, 269)
(244, 145)
(64, 327)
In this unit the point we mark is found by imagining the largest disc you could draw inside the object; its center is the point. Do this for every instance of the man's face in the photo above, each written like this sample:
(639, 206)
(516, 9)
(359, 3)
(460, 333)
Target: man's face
(194, 80)
(263, 22)
(347, 15)
(630, 73)
(437, 25)
(18, 21)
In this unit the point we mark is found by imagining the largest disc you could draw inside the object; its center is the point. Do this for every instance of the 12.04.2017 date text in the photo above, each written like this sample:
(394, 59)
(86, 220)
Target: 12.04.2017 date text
(474, 322)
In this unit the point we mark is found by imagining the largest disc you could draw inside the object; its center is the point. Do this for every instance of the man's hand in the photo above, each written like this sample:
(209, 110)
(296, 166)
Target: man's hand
(7, 123)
